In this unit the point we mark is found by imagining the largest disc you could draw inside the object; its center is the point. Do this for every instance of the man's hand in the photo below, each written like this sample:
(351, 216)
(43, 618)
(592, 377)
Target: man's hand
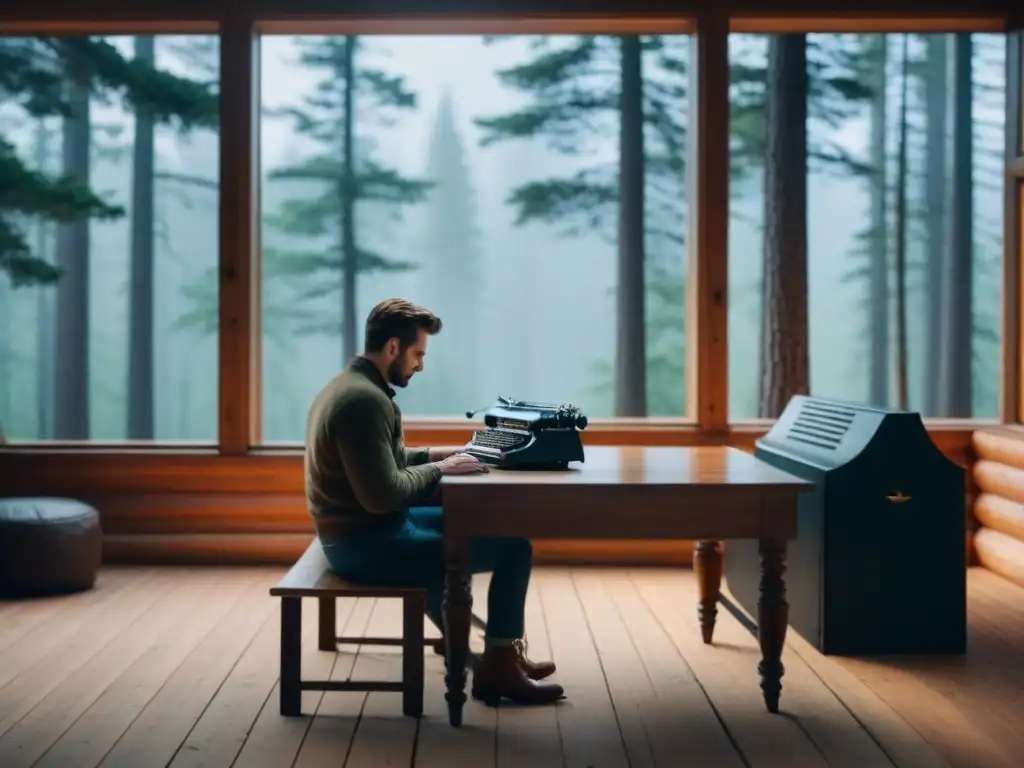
(461, 464)
(440, 454)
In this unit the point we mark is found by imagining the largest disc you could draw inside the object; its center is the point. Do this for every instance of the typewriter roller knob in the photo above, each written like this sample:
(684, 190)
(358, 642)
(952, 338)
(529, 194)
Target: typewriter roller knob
(570, 416)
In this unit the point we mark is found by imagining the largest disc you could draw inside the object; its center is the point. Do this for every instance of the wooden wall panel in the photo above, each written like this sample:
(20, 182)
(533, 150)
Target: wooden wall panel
(89, 469)
(1000, 553)
(206, 549)
(197, 507)
(156, 514)
(998, 474)
(284, 549)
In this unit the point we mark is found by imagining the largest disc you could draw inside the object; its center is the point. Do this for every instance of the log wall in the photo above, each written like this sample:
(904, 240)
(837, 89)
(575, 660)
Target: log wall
(998, 473)
(183, 506)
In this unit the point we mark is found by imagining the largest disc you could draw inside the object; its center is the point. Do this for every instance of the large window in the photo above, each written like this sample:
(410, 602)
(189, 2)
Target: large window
(893, 199)
(483, 179)
(108, 238)
(532, 191)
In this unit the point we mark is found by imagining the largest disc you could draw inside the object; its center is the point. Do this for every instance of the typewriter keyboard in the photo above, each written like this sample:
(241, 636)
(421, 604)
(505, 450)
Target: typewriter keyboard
(497, 438)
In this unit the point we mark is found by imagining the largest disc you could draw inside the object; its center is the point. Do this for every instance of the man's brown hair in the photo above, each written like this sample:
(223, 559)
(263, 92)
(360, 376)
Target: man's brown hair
(398, 318)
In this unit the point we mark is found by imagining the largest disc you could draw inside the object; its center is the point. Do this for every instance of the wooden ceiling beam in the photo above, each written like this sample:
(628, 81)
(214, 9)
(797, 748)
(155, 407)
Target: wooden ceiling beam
(124, 13)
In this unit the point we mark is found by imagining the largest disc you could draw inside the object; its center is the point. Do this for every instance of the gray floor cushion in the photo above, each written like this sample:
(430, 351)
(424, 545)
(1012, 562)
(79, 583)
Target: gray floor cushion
(48, 546)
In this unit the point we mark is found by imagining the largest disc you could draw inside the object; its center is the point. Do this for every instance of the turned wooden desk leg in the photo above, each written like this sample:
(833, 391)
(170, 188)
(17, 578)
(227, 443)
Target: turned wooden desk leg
(457, 608)
(707, 565)
(772, 620)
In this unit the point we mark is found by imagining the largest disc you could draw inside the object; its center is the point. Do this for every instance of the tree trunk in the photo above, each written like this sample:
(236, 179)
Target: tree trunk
(6, 350)
(71, 374)
(630, 351)
(879, 251)
(44, 305)
(140, 314)
(957, 315)
(901, 236)
(784, 336)
(452, 270)
(936, 80)
(348, 208)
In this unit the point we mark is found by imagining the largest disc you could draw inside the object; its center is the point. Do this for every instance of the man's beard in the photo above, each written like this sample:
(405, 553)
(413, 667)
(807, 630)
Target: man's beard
(395, 376)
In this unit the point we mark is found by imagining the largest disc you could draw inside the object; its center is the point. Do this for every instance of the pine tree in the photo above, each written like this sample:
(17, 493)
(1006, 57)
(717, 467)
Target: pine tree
(341, 183)
(34, 74)
(783, 112)
(583, 90)
(451, 273)
(61, 77)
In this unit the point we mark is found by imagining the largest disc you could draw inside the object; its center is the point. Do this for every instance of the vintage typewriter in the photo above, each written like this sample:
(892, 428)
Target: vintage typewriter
(527, 435)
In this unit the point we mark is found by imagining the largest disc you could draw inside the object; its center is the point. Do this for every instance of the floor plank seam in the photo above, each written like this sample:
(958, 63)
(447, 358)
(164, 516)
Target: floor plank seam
(748, 623)
(604, 675)
(416, 742)
(804, 730)
(142, 612)
(101, 693)
(547, 638)
(718, 714)
(231, 669)
(312, 716)
(320, 702)
(102, 600)
(201, 704)
(636, 649)
(242, 594)
(365, 696)
(355, 731)
(864, 726)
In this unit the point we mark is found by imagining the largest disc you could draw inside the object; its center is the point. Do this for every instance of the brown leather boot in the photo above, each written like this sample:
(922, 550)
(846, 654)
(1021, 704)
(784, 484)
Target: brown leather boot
(499, 674)
(535, 670)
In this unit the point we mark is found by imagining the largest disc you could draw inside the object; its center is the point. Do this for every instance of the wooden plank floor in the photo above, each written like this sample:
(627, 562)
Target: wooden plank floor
(178, 667)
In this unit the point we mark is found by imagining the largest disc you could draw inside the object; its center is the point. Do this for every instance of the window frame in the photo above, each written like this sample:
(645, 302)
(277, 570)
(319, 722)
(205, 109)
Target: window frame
(1012, 355)
(1013, 231)
(704, 396)
(707, 310)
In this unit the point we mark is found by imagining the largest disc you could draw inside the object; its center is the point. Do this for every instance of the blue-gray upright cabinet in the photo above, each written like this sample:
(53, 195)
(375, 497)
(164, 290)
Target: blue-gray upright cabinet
(879, 565)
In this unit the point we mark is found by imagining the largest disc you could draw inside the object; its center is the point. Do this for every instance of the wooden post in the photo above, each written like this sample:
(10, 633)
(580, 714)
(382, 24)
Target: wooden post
(707, 361)
(238, 282)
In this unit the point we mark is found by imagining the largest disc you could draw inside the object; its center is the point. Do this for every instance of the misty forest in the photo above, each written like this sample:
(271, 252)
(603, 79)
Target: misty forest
(531, 191)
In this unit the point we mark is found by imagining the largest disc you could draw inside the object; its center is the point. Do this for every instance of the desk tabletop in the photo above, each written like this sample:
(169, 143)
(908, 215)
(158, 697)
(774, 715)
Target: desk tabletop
(649, 465)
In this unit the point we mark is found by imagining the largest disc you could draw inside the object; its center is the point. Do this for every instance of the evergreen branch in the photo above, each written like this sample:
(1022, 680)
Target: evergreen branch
(188, 180)
(555, 200)
(387, 90)
(62, 199)
(163, 96)
(564, 121)
(322, 167)
(308, 263)
(553, 68)
(375, 182)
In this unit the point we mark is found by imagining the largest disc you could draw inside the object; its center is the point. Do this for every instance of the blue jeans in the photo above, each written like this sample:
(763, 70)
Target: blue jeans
(410, 553)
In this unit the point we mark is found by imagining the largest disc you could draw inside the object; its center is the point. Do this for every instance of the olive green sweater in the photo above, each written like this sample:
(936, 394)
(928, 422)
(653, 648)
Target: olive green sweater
(356, 463)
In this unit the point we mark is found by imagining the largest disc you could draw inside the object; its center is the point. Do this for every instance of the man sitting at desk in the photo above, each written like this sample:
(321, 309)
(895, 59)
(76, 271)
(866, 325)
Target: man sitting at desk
(364, 488)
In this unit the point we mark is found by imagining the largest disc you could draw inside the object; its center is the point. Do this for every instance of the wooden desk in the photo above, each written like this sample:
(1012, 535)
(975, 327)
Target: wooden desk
(707, 493)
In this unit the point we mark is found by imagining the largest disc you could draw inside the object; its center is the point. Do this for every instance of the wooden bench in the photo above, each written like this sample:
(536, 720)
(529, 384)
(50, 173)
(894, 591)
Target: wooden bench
(312, 577)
